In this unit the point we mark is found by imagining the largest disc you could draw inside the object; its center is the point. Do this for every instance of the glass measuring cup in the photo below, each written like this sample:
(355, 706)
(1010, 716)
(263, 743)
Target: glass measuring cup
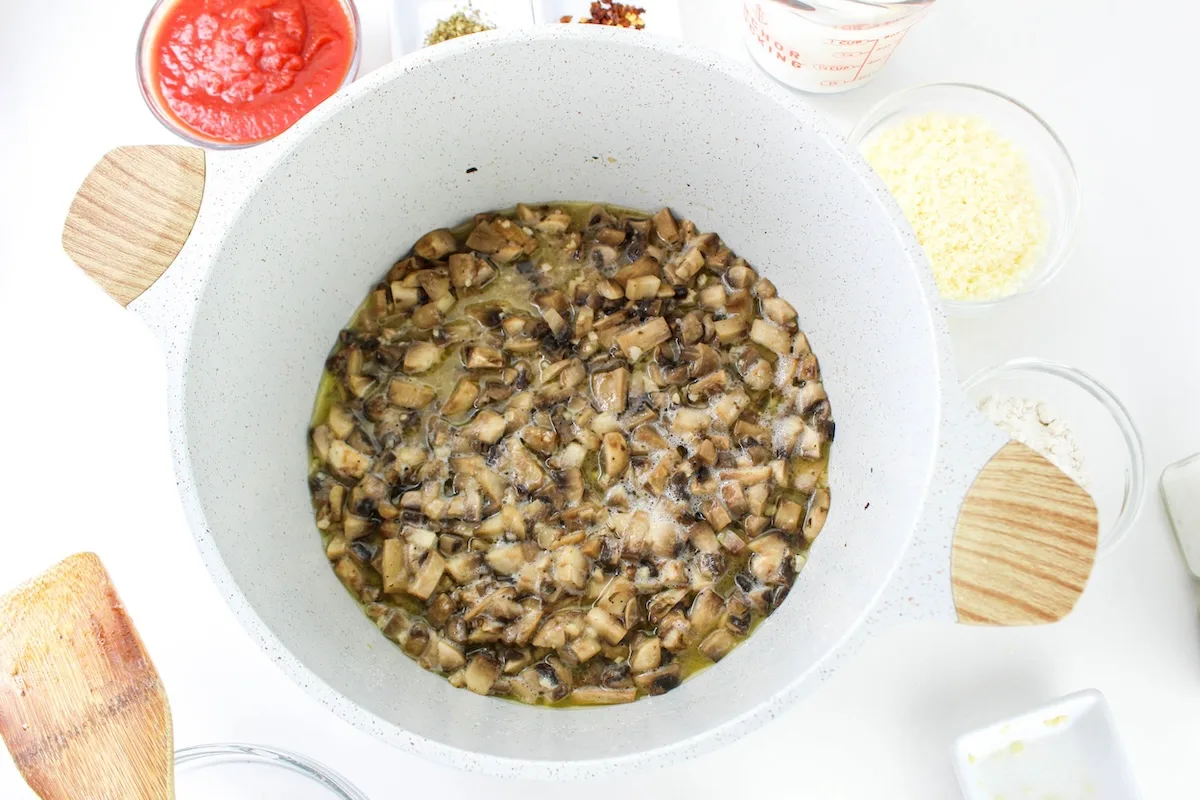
(827, 45)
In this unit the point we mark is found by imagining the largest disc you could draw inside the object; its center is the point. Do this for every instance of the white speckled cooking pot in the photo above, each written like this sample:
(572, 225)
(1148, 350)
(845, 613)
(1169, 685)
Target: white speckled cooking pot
(292, 234)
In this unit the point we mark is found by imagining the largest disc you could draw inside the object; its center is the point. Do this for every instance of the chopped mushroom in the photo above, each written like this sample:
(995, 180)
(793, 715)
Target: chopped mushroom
(717, 644)
(394, 570)
(407, 394)
(690, 421)
(770, 336)
(729, 330)
(811, 393)
(661, 680)
(610, 390)
(428, 571)
(405, 296)
(482, 357)
(644, 267)
(482, 672)
(488, 426)
(731, 406)
(780, 312)
(436, 285)
(666, 227)
(351, 574)
(539, 439)
(818, 511)
(632, 419)
(420, 356)
(463, 567)
(706, 612)
(570, 568)
(771, 556)
(485, 238)
(645, 654)
(462, 398)
(506, 559)
(526, 473)
(464, 270)
(606, 625)
(322, 438)
(716, 515)
(435, 244)
(347, 461)
(656, 480)
(614, 457)
(787, 516)
(449, 656)
(341, 422)
(809, 446)
(645, 337)
(597, 696)
(709, 386)
(546, 680)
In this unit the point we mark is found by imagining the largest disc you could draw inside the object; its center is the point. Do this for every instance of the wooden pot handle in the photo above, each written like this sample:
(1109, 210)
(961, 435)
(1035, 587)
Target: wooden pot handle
(1024, 543)
(132, 215)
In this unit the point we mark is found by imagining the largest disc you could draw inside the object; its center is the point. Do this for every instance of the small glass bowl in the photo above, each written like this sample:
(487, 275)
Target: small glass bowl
(1049, 164)
(1100, 425)
(145, 54)
(251, 772)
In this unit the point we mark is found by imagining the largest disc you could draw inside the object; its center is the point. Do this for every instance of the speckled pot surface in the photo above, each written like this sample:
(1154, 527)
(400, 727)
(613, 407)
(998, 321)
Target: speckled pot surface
(292, 234)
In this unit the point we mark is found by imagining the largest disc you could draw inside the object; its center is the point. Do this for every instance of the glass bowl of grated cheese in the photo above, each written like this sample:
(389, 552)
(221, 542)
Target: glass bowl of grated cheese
(1079, 425)
(987, 186)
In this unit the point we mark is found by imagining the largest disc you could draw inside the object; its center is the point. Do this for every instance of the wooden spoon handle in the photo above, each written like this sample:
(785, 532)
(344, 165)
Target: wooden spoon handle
(1024, 543)
(81, 707)
(132, 215)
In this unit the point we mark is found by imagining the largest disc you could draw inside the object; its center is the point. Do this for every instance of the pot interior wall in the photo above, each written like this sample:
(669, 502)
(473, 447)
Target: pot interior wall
(552, 118)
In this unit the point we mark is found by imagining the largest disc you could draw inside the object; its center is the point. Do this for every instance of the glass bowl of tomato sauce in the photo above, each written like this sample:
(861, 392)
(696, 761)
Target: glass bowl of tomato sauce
(233, 73)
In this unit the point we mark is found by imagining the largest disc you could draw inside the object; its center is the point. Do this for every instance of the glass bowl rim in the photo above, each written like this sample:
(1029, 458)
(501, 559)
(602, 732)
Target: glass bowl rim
(1135, 492)
(270, 756)
(192, 137)
(903, 99)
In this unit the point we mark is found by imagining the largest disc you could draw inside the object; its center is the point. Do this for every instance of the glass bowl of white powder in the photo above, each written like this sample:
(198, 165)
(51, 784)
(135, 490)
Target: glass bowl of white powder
(1075, 422)
(255, 772)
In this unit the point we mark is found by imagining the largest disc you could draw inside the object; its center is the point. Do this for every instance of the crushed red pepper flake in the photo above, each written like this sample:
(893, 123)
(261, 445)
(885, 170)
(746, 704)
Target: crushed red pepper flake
(617, 15)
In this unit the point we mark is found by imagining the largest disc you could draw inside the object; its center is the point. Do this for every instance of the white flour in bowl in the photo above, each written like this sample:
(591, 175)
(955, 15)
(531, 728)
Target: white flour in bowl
(1035, 425)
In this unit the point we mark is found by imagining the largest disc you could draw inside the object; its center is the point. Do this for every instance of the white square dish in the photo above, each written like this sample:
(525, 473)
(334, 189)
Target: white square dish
(412, 20)
(1180, 493)
(1067, 749)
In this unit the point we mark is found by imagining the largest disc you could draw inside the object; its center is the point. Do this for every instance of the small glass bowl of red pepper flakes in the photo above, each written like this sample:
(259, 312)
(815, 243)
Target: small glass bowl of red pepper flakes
(233, 73)
(613, 14)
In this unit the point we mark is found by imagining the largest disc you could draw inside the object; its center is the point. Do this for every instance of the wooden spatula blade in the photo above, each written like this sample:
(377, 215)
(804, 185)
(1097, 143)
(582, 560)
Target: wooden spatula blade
(82, 709)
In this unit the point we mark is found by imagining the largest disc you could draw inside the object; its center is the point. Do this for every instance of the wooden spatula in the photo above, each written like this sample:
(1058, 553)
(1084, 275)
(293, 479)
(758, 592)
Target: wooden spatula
(81, 708)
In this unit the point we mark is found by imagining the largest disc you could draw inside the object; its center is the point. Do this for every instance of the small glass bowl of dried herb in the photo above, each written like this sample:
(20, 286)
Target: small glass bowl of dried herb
(462, 22)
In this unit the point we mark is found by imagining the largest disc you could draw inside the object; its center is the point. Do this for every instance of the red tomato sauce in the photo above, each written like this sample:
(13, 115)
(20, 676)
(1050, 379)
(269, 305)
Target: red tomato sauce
(241, 71)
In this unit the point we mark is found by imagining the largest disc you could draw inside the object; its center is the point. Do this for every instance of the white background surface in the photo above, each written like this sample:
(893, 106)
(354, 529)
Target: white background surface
(85, 460)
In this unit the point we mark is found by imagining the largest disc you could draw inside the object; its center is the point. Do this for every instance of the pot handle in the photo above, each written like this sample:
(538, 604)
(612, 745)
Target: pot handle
(1019, 536)
(132, 215)
(1005, 538)
(1024, 542)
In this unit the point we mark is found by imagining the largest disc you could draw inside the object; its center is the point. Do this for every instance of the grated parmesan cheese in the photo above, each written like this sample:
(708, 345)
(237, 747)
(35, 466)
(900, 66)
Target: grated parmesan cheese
(970, 198)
